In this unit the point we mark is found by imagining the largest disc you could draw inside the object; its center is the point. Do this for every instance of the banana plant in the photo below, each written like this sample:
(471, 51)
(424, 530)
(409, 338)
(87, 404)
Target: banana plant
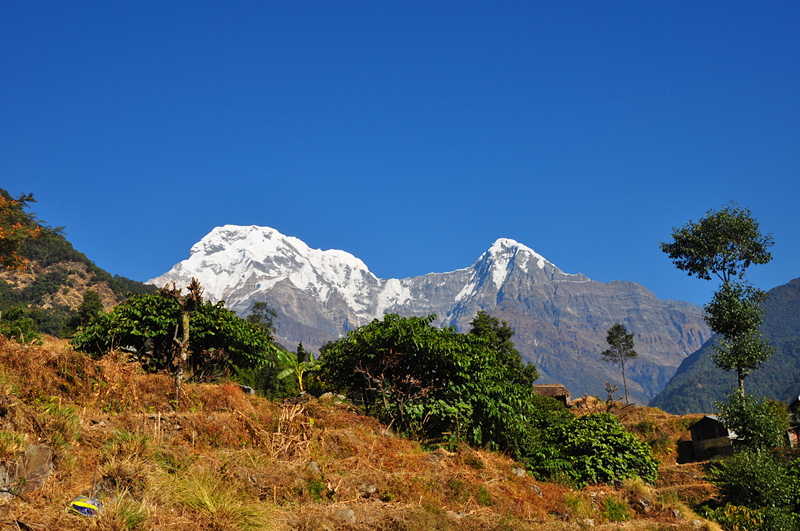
(297, 367)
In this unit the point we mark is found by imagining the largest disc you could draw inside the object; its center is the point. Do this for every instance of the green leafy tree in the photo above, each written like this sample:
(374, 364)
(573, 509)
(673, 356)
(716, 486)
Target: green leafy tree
(761, 424)
(621, 350)
(498, 336)
(725, 243)
(87, 309)
(91, 305)
(263, 316)
(146, 324)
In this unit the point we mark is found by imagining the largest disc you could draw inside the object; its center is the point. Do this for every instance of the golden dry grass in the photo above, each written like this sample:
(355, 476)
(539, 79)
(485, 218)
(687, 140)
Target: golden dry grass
(229, 461)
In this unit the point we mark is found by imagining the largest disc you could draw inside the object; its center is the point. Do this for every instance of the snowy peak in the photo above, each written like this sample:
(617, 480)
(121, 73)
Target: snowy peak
(242, 265)
(506, 254)
(507, 258)
(231, 257)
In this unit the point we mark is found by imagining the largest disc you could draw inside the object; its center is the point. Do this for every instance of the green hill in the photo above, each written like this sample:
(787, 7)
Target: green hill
(698, 382)
(53, 286)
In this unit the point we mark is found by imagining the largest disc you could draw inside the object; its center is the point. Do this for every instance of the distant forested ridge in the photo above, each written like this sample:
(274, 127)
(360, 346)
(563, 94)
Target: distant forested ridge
(698, 382)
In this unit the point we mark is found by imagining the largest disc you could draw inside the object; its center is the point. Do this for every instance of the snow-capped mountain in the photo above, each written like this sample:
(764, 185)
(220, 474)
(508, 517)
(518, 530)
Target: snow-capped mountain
(560, 319)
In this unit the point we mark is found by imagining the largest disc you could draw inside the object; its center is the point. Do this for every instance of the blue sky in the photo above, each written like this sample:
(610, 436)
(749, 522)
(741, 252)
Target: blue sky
(411, 134)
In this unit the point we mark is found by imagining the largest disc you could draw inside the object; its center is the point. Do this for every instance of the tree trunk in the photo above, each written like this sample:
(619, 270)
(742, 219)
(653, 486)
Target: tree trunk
(624, 381)
(184, 346)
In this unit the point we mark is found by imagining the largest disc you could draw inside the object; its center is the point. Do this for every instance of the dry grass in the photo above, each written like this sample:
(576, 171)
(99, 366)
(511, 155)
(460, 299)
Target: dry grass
(229, 461)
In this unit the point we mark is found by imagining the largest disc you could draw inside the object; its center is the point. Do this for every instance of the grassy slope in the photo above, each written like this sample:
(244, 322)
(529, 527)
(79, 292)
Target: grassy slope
(231, 461)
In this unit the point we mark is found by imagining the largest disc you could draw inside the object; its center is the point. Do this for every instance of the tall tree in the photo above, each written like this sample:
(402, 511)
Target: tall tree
(498, 336)
(725, 243)
(621, 350)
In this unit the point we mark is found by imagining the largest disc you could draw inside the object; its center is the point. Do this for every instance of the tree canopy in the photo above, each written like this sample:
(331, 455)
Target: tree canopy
(723, 243)
(147, 325)
(621, 350)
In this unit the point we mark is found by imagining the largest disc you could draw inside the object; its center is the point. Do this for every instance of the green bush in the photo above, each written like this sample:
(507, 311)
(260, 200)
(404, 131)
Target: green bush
(430, 383)
(615, 510)
(754, 479)
(741, 518)
(593, 448)
(17, 324)
(760, 423)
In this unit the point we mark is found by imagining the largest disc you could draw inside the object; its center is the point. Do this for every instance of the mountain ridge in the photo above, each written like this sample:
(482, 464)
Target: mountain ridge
(560, 319)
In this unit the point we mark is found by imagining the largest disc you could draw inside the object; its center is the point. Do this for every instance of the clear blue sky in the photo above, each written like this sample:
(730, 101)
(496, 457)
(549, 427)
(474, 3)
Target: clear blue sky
(410, 134)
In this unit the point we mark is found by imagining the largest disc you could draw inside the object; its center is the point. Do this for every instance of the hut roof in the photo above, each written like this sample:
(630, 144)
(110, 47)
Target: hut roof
(551, 390)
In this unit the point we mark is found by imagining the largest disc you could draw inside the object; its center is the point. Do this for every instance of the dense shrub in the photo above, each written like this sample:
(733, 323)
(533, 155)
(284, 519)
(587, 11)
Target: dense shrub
(147, 324)
(437, 384)
(17, 324)
(593, 448)
(741, 518)
(754, 479)
(759, 423)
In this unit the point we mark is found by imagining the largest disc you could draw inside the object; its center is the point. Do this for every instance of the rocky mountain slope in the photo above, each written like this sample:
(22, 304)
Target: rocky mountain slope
(560, 319)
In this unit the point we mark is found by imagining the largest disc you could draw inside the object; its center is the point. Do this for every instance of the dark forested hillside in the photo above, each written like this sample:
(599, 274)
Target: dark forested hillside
(698, 382)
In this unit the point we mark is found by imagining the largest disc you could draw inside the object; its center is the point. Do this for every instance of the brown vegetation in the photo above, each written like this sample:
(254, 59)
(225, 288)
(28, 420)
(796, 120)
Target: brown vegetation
(233, 461)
